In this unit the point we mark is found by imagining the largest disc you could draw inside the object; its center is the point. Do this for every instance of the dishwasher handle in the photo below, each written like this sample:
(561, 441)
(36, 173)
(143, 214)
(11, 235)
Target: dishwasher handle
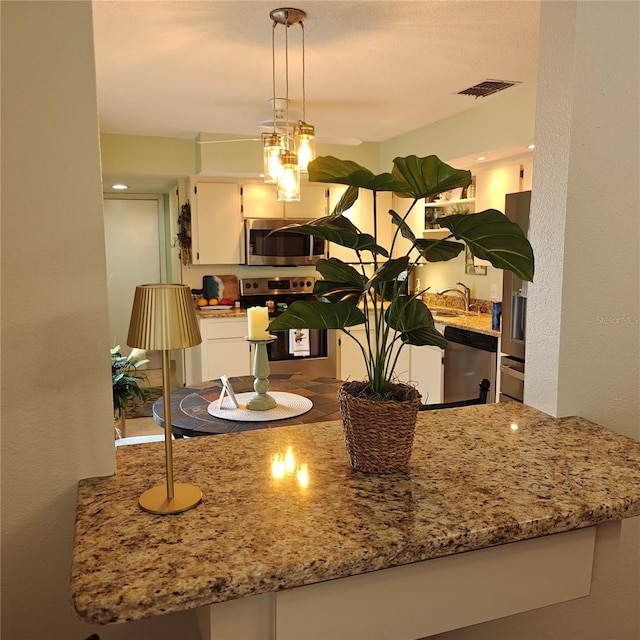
(471, 339)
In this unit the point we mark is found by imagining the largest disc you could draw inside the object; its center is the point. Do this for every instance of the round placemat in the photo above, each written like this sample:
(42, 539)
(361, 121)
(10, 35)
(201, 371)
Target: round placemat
(289, 405)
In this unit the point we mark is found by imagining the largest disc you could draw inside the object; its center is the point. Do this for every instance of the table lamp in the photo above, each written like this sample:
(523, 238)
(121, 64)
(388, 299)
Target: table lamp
(163, 318)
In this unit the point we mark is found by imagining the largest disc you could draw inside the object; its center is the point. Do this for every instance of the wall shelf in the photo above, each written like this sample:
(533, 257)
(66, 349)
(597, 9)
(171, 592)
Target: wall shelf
(435, 234)
(446, 203)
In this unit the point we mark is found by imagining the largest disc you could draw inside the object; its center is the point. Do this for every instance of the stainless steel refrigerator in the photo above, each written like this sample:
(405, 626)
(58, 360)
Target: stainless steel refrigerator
(514, 310)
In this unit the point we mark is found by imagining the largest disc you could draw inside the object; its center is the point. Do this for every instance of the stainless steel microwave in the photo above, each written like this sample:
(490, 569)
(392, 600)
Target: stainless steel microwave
(264, 245)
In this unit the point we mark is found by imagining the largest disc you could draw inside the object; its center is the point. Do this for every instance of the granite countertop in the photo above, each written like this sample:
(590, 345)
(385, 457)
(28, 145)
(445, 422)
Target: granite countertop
(478, 322)
(221, 313)
(474, 481)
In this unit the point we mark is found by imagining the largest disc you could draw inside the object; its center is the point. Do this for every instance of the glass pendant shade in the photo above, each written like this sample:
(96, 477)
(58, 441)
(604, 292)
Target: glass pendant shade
(304, 141)
(272, 146)
(289, 180)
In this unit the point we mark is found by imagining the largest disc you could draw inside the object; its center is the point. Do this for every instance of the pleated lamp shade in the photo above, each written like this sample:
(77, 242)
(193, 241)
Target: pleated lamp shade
(163, 318)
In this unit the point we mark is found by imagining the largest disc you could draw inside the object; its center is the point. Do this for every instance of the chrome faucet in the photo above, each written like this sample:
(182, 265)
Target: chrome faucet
(465, 293)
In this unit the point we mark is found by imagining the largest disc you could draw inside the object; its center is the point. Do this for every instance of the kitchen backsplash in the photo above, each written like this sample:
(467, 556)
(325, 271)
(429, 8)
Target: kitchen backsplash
(476, 304)
(193, 275)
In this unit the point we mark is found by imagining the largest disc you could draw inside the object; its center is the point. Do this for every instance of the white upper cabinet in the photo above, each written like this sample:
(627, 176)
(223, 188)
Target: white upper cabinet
(216, 225)
(260, 201)
(312, 205)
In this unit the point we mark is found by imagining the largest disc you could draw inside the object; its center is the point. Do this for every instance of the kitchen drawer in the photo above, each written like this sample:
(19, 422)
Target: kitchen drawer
(512, 378)
(223, 329)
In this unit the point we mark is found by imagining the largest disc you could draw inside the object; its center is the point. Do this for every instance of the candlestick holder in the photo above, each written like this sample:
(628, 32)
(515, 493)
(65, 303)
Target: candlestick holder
(261, 401)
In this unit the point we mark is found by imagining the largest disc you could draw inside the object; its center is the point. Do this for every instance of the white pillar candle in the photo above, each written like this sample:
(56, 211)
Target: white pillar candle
(258, 319)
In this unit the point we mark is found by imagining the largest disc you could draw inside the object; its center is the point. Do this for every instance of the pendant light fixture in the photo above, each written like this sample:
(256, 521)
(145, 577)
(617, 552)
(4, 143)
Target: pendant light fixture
(287, 148)
(304, 135)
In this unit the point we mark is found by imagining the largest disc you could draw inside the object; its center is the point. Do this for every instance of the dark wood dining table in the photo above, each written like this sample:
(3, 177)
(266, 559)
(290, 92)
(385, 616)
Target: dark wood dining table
(189, 405)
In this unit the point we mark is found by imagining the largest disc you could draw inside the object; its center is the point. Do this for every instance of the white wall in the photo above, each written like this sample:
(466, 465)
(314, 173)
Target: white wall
(585, 224)
(57, 415)
(584, 228)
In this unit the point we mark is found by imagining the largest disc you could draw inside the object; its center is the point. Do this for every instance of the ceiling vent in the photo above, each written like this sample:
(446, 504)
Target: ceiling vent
(487, 87)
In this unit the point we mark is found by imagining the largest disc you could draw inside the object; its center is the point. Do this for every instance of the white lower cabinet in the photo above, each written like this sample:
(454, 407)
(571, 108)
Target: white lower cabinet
(352, 365)
(427, 372)
(223, 351)
(421, 366)
(351, 361)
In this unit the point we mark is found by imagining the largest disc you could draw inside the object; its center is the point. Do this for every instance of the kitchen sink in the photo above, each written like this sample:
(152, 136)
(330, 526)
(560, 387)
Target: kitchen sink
(448, 314)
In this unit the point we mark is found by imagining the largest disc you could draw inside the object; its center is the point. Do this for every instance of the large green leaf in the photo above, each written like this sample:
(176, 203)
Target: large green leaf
(338, 271)
(491, 236)
(427, 176)
(336, 171)
(414, 321)
(438, 250)
(337, 291)
(385, 279)
(311, 314)
(425, 336)
(339, 230)
(346, 201)
(389, 271)
(405, 229)
(407, 314)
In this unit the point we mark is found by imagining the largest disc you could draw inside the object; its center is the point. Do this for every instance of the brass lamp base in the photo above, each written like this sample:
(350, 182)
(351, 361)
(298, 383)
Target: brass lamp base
(185, 497)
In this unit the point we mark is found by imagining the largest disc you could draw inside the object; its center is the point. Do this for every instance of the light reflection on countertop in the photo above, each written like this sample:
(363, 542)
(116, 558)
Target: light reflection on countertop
(284, 466)
(473, 482)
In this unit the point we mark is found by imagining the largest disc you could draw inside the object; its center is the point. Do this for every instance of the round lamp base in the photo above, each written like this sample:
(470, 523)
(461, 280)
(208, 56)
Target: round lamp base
(185, 497)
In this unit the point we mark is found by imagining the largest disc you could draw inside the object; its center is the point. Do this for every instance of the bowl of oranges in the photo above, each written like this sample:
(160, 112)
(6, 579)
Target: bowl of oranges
(214, 303)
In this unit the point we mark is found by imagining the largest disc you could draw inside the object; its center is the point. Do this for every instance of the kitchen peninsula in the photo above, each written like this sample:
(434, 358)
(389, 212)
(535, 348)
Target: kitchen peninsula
(520, 491)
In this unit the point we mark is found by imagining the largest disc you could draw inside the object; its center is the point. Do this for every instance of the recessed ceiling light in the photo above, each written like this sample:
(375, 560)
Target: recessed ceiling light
(119, 186)
(532, 146)
(481, 158)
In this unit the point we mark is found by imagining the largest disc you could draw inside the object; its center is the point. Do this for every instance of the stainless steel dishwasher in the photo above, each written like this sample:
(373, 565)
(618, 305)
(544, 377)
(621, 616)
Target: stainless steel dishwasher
(468, 358)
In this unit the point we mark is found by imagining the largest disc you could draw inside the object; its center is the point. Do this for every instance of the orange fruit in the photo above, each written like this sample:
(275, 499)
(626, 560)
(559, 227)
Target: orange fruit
(202, 302)
(213, 302)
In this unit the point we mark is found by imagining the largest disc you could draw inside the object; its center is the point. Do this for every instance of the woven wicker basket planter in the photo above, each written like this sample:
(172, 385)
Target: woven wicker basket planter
(378, 433)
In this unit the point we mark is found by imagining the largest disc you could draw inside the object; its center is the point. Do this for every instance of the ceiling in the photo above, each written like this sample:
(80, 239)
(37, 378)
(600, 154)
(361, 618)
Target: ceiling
(374, 69)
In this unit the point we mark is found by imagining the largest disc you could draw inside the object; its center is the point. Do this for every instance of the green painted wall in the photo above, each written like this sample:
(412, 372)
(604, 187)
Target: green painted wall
(503, 120)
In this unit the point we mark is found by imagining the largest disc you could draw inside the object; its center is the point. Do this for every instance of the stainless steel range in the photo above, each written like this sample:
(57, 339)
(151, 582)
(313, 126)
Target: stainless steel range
(309, 351)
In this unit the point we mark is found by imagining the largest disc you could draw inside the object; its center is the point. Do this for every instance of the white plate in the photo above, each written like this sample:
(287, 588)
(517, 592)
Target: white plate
(217, 307)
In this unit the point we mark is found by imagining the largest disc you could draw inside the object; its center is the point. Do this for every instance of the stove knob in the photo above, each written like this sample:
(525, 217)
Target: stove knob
(295, 284)
(308, 283)
(255, 285)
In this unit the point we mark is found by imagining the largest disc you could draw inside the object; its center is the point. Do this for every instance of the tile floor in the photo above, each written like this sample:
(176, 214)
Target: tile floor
(147, 426)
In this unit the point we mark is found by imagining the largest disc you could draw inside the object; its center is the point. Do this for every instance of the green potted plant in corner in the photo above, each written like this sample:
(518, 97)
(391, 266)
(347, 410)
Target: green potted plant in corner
(379, 414)
(125, 379)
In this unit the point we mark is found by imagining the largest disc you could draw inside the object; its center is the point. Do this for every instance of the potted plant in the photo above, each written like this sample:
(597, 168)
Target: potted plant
(368, 293)
(124, 380)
